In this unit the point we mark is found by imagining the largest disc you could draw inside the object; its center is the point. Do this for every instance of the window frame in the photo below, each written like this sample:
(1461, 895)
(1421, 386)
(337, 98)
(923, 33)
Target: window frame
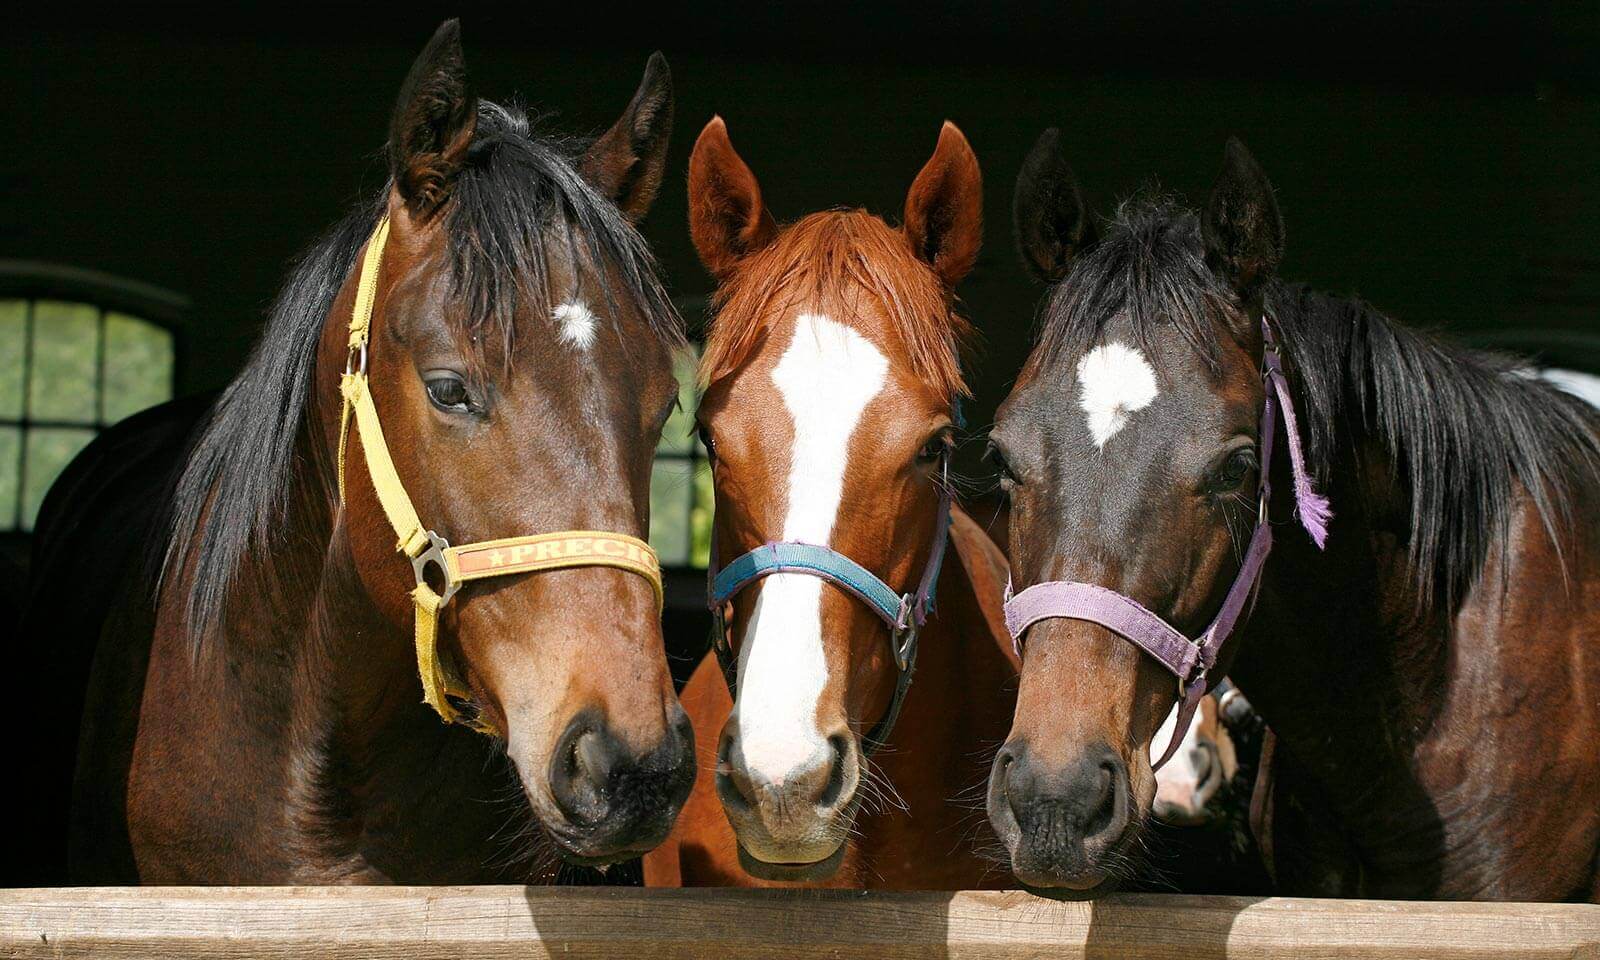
(32, 281)
(695, 455)
(685, 584)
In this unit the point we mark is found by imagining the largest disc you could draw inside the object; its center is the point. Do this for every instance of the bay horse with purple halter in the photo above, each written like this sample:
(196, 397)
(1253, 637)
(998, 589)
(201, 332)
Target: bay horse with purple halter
(841, 567)
(482, 353)
(1428, 652)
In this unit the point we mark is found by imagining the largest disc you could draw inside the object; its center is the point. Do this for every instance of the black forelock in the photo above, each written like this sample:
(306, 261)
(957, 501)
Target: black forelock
(1147, 270)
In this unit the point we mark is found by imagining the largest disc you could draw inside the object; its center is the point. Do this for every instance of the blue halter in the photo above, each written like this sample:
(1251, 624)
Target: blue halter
(904, 613)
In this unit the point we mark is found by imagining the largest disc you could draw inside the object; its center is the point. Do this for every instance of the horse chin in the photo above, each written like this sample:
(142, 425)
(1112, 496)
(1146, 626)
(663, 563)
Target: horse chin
(1060, 889)
(591, 848)
(1181, 814)
(812, 872)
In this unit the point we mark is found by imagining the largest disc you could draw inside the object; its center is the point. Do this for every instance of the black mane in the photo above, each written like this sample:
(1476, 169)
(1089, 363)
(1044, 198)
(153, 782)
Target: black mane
(1467, 431)
(516, 193)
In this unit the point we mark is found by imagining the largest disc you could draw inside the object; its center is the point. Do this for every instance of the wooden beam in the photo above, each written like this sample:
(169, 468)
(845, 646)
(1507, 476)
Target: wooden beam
(490, 922)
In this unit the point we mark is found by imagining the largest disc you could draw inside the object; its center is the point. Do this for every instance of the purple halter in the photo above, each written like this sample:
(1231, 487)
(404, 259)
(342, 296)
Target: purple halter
(1190, 660)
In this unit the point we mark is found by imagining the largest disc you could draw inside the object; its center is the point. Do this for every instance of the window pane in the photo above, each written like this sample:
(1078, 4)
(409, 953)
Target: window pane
(49, 451)
(700, 516)
(138, 366)
(13, 329)
(678, 434)
(61, 383)
(10, 447)
(669, 510)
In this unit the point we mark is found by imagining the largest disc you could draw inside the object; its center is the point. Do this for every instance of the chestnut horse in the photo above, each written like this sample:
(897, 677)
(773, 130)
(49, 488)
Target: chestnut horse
(264, 723)
(1203, 763)
(1432, 675)
(833, 387)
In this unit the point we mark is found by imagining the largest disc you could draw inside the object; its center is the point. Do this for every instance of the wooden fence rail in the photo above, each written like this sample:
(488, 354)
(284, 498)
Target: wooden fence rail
(522, 922)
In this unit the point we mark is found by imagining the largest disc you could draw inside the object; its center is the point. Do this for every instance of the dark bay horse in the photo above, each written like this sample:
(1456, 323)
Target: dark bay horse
(834, 382)
(259, 719)
(1432, 675)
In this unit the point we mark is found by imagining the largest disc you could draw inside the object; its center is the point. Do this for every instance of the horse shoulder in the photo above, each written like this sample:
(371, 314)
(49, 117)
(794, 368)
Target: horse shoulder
(701, 849)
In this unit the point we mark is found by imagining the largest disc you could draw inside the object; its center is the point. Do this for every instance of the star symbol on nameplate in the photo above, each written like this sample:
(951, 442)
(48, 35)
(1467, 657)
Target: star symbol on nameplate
(497, 559)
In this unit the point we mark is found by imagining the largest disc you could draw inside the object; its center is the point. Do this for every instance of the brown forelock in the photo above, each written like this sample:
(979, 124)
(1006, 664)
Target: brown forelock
(814, 258)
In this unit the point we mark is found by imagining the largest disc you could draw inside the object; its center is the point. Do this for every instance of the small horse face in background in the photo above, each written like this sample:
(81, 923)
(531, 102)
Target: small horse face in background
(1129, 452)
(832, 371)
(1204, 762)
(523, 399)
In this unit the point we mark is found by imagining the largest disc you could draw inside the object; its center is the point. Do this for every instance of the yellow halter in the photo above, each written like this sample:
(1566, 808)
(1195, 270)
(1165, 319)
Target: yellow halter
(441, 680)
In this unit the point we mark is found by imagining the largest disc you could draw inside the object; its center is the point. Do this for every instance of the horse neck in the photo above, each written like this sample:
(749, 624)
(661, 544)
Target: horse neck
(338, 653)
(1341, 667)
(960, 706)
(1349, 666)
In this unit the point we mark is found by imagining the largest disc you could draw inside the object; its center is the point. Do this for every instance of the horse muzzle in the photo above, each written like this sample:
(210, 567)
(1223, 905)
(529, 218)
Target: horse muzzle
(1063, 828)
(604, 801)
(791, 823)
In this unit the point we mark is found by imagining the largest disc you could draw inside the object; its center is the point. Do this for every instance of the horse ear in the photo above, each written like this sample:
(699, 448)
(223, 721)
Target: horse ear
(727, 219)
(627, 162)
(1052, 222)
(1242, 228)
(944, 209)
(433, 122)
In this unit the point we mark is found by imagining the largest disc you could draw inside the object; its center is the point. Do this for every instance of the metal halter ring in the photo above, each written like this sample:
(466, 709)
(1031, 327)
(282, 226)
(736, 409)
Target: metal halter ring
(354, 352)
(437, 545)
(904, 640)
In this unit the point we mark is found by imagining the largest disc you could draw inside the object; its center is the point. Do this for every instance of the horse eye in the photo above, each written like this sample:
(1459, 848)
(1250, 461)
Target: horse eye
(705, 441)
(1233, 470)
(996, 459)
(449, 393)
(933, 449)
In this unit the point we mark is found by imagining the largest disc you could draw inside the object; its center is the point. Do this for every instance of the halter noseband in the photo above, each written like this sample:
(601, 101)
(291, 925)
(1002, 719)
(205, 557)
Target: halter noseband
(1189, 660)
(441, 681)
(904, 613)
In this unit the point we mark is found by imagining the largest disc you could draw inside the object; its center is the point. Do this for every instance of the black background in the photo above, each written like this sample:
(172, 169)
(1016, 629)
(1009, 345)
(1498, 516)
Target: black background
(1438, 158)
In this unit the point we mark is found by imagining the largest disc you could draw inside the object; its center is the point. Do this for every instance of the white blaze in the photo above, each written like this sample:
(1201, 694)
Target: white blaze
(577, 323)
(1582, 385)
(1187, 783)
(826, 377)
(1114, 381)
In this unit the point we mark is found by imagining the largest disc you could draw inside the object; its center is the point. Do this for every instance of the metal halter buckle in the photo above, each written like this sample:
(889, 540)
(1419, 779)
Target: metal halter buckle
(904, 639)
(354, 354)
(437, 545)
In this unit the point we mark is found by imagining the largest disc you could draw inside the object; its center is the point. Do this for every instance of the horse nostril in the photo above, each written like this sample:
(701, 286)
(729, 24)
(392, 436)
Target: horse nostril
(682, 728)
(838, 749)
(580, 771)
(733, 784)
(593, 758)
(1102, 806)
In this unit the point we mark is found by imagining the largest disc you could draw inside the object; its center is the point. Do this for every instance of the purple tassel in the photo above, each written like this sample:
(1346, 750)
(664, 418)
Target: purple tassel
(1313, 509)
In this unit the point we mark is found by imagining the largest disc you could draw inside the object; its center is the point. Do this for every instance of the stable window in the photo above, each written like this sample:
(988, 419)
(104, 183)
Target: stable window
(680, 484)
(78, 352)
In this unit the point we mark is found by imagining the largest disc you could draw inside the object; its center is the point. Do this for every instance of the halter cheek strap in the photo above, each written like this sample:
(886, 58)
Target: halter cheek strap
(1190, 660)
(452, 566)
(903, 613)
